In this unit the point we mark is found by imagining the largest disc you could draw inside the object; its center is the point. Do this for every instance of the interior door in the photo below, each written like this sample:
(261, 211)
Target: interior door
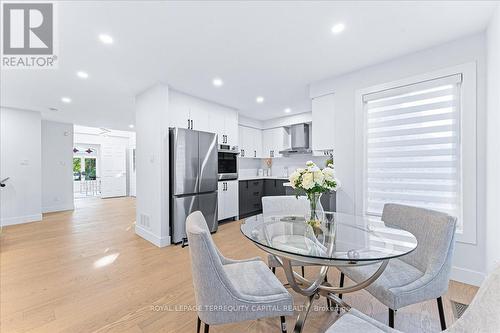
(113, 171)
(208, 175)
(186, 162)
(207, 205)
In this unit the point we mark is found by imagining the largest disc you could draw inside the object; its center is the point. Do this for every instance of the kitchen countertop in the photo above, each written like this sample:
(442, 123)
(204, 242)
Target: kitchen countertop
(261, 177)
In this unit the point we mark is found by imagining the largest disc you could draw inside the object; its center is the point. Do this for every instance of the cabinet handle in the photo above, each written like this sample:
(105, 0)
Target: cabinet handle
(225, 185)
(255, 153)
(189, 124)
(243, 153)
(192, 126)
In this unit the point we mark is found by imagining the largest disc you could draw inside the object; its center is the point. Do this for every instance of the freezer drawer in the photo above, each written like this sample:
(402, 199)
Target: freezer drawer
(207, 205)
(185, 205)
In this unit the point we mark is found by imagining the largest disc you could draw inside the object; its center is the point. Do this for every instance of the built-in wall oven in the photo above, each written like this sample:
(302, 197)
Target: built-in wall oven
(227, 162)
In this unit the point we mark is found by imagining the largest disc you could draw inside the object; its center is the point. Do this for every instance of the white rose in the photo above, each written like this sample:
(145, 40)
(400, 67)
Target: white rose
(329, 174)
(319, 178)
(307, 181)
(293, 178)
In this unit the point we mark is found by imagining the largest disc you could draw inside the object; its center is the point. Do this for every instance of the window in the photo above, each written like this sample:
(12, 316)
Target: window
(413, 152)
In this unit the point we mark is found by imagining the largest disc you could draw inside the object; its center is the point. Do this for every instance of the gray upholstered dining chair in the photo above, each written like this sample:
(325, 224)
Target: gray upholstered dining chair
(285, 205)
(246, 288)
(482, 315)
(421, 275)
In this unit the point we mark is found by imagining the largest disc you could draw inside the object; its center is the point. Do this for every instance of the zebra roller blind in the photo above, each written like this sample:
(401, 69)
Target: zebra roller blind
(413, 146)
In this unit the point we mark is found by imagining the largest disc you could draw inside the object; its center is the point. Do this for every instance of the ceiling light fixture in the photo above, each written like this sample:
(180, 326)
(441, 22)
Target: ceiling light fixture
(82, 74)
(217, 82)
(131, 126)
(338, 28)
(288, 110)
(106, 39)
(259, 99)
(53, 109)
(66, 100)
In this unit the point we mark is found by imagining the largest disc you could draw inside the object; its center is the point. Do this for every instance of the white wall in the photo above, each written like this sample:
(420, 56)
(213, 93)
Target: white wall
(469, 263)
(57, 167)
(151, 124)
(20, 159)
(493, 143)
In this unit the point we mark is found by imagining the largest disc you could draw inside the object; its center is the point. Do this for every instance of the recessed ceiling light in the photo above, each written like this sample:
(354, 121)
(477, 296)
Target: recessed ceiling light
(106, 39)
(338, 28)
(288, 110)
(66, 100)
(82, 74)
(53, 109)
(259, 99)
(217, 82)
(131, 126)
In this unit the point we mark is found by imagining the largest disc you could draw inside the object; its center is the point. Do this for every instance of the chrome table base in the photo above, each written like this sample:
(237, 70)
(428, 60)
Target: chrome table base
(318, 287)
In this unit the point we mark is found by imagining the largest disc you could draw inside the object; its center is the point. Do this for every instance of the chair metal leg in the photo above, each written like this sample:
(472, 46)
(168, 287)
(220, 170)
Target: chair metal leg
(283, 324)
(391, 318)
(442, 318)
(328, 302)
(303, 271)
(273, 269)
(341, 283)
(198, 325)
(206, 328)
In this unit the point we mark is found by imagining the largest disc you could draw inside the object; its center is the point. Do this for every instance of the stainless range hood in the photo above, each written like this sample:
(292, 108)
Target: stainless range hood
(300, 140)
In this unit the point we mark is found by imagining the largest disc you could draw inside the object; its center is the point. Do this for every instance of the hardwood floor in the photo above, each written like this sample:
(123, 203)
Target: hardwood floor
(86, 271)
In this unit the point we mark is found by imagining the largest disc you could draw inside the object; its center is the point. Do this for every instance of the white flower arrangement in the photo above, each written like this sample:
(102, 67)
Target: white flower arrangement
(314, 180)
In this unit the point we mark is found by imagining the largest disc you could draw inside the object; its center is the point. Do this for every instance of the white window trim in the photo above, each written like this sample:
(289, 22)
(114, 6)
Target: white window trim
(468, 142)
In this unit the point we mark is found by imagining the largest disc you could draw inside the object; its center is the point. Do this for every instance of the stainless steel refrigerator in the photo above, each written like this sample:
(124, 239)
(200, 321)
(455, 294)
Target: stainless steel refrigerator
(193, 179)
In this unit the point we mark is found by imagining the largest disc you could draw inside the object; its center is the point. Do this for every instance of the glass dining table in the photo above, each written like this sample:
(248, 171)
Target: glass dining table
(340, 240)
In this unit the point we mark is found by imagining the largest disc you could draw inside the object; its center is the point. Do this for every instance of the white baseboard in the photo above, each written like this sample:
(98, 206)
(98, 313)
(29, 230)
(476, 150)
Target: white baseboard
(59, 208)
(468, 276)
(149, 236)
(20, 219)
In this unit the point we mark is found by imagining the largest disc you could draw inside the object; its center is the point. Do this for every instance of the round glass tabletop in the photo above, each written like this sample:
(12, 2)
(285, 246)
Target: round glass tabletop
(341, 237)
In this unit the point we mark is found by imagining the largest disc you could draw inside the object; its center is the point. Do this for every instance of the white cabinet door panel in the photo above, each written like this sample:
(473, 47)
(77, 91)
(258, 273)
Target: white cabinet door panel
(220, 201)
(323, 121)
(231, 199)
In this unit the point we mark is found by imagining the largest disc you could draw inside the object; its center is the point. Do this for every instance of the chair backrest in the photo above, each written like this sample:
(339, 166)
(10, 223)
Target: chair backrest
(435, 233)
(286, 205)
(211, 283)
(483, 314)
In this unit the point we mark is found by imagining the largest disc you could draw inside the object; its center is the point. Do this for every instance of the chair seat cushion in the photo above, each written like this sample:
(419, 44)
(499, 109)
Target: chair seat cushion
(357, 322)
(397, 274)
(254, 279)
(273, 262)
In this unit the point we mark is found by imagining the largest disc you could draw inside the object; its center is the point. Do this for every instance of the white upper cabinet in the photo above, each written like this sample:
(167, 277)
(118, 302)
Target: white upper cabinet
(274, 140)
(193, 113)
(250, 142)
(231, 128)
(323, 121)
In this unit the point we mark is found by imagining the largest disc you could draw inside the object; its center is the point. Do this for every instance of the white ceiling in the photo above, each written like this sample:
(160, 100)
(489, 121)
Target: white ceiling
(273, 49)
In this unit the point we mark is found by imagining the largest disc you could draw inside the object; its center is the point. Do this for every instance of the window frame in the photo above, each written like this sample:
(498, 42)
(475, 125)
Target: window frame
(468, 139)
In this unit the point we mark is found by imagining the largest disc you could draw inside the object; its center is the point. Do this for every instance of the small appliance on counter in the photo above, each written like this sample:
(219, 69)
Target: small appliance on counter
(260, 172)
(227, 162)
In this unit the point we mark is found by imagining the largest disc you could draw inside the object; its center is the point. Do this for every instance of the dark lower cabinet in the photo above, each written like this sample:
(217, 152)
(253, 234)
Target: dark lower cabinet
(252, 191)
(250, 195)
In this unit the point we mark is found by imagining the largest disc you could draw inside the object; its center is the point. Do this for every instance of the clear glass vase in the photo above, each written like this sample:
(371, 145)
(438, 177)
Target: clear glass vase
(315, 211)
